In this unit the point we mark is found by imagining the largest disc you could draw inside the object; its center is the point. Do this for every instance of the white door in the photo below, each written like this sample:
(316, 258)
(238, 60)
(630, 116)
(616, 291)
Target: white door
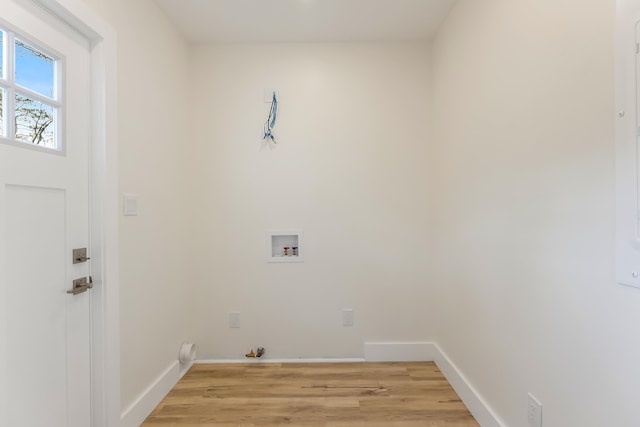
(45, 353)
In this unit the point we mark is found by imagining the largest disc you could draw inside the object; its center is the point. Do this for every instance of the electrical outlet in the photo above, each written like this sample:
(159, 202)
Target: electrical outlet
(234, 319)
(347, 317)
(534, 413)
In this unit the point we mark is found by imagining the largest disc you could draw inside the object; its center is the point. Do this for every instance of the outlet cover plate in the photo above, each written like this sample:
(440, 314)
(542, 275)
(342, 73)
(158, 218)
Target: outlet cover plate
(234, 319)
(347, 317)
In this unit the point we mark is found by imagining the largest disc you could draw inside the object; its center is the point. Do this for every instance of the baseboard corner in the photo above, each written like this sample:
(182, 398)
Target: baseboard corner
(135, 414)
(480, 410)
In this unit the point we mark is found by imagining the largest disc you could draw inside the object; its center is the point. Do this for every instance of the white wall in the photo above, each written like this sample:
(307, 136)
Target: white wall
(521, 173)
(348, 168)
(524, 161)
(154, 256)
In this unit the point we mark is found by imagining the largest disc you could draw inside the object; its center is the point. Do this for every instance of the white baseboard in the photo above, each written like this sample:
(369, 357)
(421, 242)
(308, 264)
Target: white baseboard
(399, 351)
(140, 409)
(264, 360)
(480, 410)
(430, 352)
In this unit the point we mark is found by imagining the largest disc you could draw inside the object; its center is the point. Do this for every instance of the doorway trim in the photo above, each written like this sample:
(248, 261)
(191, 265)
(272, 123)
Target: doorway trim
(105, 325)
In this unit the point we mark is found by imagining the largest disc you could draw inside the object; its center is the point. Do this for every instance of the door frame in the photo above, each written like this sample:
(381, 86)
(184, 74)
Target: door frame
(103, 209)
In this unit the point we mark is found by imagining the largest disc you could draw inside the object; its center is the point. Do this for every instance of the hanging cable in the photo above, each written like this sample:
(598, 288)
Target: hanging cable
(271, 120)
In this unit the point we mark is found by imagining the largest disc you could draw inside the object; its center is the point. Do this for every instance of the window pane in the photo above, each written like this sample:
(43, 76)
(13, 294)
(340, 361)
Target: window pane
(1, 55)
(34, 69)
(1, 112)
(34, 122)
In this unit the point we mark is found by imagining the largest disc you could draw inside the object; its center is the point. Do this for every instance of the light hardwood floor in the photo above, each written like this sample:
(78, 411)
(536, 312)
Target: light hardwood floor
(310, 395)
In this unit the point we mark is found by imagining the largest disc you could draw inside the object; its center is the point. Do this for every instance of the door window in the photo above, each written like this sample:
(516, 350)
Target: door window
(30, 92)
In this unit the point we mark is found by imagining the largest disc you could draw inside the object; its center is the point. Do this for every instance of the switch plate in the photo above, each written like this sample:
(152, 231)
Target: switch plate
(347, 317)
(130, 205)
(534, 412)
(234, 319)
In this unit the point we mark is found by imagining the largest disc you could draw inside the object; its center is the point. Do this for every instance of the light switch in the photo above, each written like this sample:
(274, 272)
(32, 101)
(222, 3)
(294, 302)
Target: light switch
(130, 205)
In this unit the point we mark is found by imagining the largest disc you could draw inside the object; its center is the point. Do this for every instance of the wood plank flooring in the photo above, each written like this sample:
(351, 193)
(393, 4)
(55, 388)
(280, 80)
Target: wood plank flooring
(313, 395)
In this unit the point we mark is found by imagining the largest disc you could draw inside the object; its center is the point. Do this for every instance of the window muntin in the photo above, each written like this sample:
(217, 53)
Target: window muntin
(30, 88)
(1, 54)
(1, 112)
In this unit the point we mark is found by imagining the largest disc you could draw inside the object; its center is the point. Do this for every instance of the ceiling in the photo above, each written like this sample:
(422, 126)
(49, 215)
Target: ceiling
(285, 21)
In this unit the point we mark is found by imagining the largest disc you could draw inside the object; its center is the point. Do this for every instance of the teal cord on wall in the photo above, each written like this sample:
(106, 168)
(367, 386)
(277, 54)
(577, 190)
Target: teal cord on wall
(271, 120)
